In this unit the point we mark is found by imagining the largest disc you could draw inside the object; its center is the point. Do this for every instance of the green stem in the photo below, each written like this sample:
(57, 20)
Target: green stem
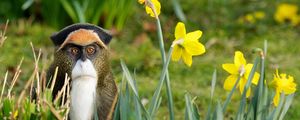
(260, 102)
(167, 81)
(156, 95)
(230, 94)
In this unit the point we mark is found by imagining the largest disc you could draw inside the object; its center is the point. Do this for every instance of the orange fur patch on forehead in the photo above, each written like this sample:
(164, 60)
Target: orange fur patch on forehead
(83, 37)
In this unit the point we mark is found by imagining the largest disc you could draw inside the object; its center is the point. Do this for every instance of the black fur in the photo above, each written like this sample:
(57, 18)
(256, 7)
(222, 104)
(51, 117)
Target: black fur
(59, 37)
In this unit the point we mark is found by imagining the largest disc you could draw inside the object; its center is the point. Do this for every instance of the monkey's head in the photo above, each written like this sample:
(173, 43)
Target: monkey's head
(81, 51)
(82, 45)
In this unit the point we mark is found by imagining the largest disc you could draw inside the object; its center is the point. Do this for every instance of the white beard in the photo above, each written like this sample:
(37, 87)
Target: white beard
(83, 90)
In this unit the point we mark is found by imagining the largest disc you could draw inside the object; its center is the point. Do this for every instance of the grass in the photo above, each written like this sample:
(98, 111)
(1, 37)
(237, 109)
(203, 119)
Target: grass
(144, 58)
(142, 55)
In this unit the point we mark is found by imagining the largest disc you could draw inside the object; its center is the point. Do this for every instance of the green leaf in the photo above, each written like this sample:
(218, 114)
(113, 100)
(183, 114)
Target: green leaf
(228, 98)
(29, 109)
(178, 11)
(69, 9)
(188, 107)
(192, 112)
(8, 106)
(132, 86)
(79, 11)
(27, 4)
(287, 104)
(219, 112)
(156, 95)
(276, 111)
(241, 112)
(213, 85)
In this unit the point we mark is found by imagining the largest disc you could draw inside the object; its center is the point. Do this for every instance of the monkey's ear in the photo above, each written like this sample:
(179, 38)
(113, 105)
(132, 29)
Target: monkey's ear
(104, 35)
(55, 39)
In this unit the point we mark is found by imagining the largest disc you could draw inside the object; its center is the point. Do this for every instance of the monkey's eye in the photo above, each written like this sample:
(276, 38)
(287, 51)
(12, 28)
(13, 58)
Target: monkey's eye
(74, 50)
(90, 50)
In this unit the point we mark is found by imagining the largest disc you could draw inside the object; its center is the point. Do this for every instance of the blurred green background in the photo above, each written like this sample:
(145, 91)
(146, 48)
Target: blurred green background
(225, 25)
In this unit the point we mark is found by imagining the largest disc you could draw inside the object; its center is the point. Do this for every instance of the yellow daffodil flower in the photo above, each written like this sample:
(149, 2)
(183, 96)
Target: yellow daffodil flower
(259, 15)
(282, 84)
(154, 3)
(287, 12)
(187, 44)
(239, 68)
(252, 17)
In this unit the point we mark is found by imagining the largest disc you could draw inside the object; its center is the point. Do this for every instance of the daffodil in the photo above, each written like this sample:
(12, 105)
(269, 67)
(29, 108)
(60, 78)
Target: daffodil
(148, 7)
(252, 17)
(239, 68)
(287, 12)
(283, 84)
(187, 44)
(259, 14)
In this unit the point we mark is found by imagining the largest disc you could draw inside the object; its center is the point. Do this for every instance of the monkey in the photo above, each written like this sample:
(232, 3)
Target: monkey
(81, 51)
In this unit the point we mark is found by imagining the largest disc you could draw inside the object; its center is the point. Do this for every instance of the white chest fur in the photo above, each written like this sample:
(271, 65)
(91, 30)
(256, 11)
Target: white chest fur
(83, 91)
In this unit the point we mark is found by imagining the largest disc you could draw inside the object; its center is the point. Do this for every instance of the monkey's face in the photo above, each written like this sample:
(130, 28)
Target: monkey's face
(89, 61)
(81, 51)
(82, 58)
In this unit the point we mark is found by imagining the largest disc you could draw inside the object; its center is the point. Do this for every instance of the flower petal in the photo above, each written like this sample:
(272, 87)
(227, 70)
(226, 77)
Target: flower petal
(180, 31)
(239, 59)
(193, 47)
(230, 68)
(149, 11)
(194, 35)
(255, 78)
(242, 84)
(256, 75)
(229, 82)
(248, 92)
(157, 7)
(177, 52)
(187, 58)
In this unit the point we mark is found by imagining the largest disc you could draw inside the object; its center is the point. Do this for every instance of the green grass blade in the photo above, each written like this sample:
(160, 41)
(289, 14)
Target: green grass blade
(219, 112)
(178, 10)
(188, 107)
(156, 95)
(158, 104)
(230, 94)
(213, 85)
(259, 98)
(27, 4)
(79, 12)
(275, 113)
(195, 109)
(287, 104)
(241, 110)
(122, 102)
(128, 77)
(136, 103)
(165, 61)
(69, 9)
(192, 112)
(131, 84)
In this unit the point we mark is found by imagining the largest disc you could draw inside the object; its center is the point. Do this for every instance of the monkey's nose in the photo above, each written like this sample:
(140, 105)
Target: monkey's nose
(83, 57)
